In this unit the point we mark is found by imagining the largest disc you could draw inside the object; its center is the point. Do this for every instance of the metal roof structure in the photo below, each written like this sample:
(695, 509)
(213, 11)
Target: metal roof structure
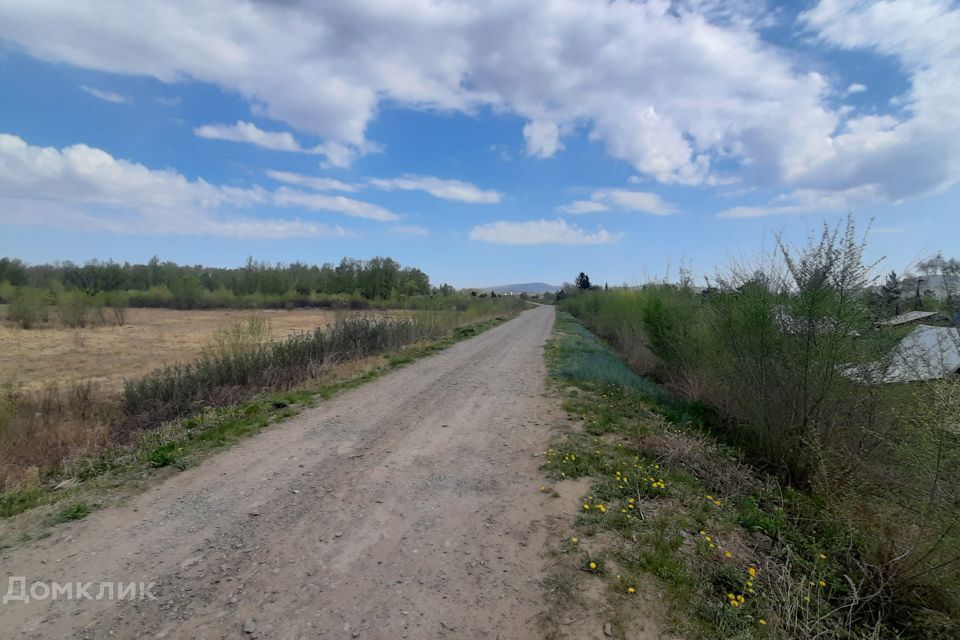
(927, 353)
(913, 316)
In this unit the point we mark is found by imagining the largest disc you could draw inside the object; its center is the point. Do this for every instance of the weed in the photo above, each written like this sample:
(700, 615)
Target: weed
(74, 511)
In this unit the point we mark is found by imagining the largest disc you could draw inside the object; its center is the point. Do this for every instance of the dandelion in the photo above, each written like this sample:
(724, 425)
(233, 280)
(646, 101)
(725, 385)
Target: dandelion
(823, 556)
(586, 506)
(631, 590)
(822, 583)
(727, 554)
(593, 566)
(752, 571)
(574, 540)
(762, 621)
(601, 508)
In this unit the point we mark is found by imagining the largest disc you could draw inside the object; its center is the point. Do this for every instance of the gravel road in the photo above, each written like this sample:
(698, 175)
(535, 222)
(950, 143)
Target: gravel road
(405, 508)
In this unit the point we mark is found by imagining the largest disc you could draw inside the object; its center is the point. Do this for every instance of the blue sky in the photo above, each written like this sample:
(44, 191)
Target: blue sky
(525, 141)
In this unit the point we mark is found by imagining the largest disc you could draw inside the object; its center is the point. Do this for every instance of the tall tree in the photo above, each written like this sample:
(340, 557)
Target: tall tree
(582, 281)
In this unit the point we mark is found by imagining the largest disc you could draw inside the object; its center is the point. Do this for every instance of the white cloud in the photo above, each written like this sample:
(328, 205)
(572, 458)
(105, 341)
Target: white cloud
(856, 87)
(250, 133)
(456, 190)
(906, 153)
(286, 197)
(620, 200)
(81, 187)
(675, 90)
(106, 96)
(542, 138)
(806, 201)
(539, 232)
(336, 154)
(312, 182)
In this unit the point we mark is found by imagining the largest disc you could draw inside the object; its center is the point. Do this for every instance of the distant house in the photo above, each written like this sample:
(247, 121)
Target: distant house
(916, 317)
(927, 353)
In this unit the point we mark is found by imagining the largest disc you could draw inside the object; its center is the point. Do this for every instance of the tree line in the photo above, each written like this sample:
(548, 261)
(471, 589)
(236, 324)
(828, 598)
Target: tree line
(375, 279)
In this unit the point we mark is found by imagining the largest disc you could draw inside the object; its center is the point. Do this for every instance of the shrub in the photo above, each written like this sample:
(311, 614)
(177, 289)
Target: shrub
(29, 307)
(789, 357)
(76, 309)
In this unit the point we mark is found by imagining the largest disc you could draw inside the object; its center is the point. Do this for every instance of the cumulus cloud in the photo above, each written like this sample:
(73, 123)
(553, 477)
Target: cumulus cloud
(106, 96)
(620, 200)
(664, 90)
(81, 187)
(542, 138)
(456, 190)
(856, 87)
(539, 232)
(675, 89)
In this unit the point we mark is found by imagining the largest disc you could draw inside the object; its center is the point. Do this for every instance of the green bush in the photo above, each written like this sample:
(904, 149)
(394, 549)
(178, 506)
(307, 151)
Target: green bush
(77, 309)
(29, 307)
(789, 359)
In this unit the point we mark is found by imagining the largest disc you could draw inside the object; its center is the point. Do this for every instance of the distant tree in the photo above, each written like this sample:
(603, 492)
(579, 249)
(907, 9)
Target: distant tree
(582, 281)
(891, 291)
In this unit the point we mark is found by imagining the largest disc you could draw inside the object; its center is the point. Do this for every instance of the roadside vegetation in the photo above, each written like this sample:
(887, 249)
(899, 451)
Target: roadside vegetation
(54, 439)
(770, 481)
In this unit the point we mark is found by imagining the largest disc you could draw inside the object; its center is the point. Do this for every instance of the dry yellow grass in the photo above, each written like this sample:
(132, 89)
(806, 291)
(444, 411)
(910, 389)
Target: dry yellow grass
(151, 338)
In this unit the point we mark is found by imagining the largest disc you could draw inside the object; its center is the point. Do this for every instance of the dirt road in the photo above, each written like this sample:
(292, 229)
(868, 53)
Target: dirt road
(405, 508)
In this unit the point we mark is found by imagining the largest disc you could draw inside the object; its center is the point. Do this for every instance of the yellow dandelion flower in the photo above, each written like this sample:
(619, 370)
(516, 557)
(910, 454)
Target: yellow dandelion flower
(631, 590)
(586, 506)
(762, 621)
(593, 566)
(822, 583)
(727, 554)
(574, 540)
(823, 556)
(734, 603)
(752, 571)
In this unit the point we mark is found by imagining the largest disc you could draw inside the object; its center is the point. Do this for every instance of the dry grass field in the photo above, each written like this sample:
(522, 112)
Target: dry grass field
(151, 338)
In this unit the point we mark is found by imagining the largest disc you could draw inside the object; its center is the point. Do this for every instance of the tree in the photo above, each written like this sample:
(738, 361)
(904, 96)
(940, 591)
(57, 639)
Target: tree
(891, 291)
(582, 281)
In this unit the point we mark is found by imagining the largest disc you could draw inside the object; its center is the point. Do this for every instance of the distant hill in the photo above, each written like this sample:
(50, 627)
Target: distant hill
(526, 287)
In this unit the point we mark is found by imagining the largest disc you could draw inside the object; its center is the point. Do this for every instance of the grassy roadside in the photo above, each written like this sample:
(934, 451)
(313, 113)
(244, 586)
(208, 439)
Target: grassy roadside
(91, 482)
(671, 513)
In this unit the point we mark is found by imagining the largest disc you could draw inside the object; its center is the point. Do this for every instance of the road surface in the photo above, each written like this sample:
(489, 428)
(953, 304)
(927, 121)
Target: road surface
(405, 508)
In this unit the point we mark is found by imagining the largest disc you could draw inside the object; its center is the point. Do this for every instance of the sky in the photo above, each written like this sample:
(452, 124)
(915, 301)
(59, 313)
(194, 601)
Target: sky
(485, 143)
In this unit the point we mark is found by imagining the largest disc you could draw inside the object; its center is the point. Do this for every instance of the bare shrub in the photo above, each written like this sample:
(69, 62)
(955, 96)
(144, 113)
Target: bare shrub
(40, 429)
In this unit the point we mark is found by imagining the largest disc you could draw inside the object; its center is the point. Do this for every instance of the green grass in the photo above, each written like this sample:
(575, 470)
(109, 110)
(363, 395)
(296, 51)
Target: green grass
(20, 499)
(74, 511)
(675, 503)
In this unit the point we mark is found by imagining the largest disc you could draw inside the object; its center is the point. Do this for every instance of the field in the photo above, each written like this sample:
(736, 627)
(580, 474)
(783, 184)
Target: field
(150, 339)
